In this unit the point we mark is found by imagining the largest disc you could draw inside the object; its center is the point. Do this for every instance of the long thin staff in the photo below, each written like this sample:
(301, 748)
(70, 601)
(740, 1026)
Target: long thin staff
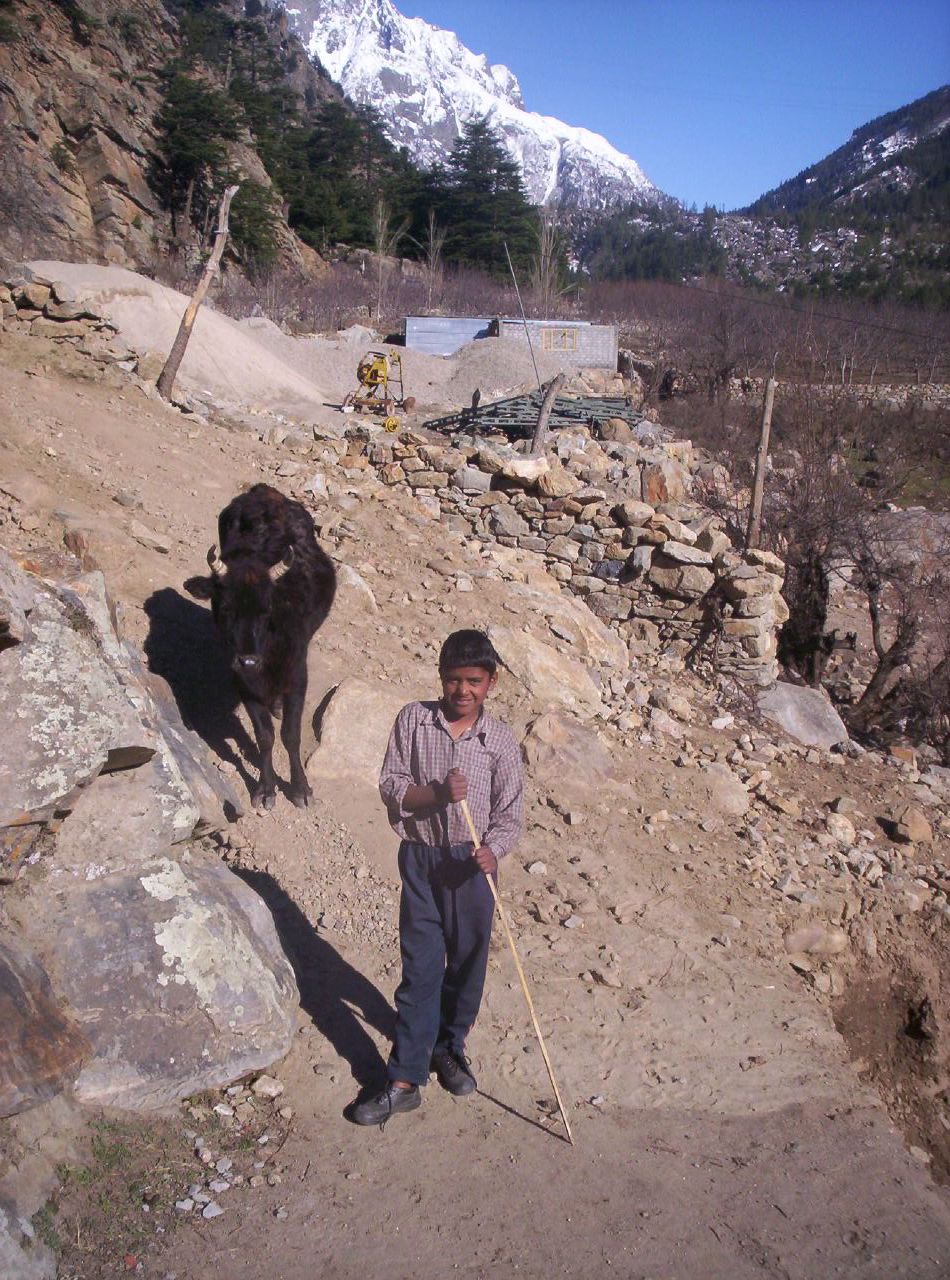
(524, 983)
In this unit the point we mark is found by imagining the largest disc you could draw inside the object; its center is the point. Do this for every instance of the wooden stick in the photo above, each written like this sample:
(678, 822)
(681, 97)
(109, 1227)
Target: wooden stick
(524, 982)
(753, 532)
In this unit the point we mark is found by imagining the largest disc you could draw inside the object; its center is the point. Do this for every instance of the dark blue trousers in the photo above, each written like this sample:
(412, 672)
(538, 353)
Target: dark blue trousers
(445, 919)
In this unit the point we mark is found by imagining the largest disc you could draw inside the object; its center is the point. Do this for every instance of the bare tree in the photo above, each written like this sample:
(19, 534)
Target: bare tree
(546, 264)
(386, 240)
(432, 256)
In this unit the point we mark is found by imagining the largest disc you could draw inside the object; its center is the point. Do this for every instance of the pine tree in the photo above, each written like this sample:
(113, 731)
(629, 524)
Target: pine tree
(193, 124)
(486, 205)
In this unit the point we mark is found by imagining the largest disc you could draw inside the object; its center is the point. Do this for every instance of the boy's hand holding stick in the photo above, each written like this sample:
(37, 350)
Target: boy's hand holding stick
(489, 865)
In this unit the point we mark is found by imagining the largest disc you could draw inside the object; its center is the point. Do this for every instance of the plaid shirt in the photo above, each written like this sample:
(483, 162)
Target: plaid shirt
(422, 750)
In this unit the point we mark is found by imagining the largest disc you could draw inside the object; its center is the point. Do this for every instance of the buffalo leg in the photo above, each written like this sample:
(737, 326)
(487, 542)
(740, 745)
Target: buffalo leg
(299, 792)
(265, 793)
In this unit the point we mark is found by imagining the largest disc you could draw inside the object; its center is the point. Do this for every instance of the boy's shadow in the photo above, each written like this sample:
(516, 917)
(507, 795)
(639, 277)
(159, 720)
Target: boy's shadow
(330, 989)
(184, 647)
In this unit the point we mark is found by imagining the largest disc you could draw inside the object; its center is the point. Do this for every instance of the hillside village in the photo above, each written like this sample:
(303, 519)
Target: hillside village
(732, 894)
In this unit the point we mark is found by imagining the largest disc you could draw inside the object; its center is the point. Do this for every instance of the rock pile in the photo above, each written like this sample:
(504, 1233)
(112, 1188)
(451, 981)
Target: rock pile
(613, 523)
(131, 963)
(35, 304)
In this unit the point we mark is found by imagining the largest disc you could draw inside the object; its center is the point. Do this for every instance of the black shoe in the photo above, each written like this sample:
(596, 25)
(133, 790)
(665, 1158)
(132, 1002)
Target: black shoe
(454, 1071)
(390, 1102)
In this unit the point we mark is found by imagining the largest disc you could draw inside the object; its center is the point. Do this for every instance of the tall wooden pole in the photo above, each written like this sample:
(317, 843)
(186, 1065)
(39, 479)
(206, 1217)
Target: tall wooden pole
(547, 404)
(166, 379)
(754, 530)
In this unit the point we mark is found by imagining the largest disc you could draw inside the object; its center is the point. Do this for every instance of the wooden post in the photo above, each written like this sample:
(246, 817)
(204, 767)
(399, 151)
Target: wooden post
(758, 487)
(547, 404)
(166, 379)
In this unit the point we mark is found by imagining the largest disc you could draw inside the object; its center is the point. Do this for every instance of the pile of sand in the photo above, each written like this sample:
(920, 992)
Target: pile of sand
(253, 363)
(222, 359)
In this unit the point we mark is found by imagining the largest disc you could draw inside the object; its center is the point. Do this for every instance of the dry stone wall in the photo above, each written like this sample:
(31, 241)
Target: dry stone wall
(613, 521)
(41, 307)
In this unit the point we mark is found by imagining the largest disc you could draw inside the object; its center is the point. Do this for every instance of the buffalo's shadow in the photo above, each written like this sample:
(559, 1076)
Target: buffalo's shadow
(184, 647)
(330, 988)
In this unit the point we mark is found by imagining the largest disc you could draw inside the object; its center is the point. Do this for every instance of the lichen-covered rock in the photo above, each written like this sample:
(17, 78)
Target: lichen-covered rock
(66, 715)
(22, 1256)
(176, 977)
(78, 702)
(16, 601)
(41, 1048)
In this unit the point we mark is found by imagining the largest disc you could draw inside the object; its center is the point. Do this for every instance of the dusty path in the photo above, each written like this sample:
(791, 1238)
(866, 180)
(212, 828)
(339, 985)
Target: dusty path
(729, 1135)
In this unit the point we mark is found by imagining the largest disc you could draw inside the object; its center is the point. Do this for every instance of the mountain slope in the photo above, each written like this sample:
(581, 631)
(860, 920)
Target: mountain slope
(425, 84)
(905, 150)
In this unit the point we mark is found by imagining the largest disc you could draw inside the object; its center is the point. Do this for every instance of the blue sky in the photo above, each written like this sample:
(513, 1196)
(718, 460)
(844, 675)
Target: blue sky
(717, 100)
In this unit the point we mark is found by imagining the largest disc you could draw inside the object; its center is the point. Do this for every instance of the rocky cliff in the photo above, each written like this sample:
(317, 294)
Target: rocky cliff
(80, 89)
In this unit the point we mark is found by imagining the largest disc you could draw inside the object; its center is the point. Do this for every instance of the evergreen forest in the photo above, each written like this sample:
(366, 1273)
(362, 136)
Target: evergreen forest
(336, 177)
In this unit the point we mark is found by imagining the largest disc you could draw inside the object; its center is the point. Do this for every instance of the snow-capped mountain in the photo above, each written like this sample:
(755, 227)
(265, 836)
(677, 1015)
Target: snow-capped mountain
(426, 84)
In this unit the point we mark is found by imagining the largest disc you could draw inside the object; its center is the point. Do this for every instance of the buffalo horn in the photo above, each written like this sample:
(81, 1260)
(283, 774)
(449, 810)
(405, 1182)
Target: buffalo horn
(278, 570)
(215, 563)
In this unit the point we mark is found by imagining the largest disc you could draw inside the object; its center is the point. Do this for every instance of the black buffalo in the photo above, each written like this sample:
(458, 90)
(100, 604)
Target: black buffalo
(270, 589)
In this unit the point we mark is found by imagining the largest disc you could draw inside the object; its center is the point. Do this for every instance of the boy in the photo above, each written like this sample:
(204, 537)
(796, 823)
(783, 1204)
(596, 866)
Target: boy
(440, 753)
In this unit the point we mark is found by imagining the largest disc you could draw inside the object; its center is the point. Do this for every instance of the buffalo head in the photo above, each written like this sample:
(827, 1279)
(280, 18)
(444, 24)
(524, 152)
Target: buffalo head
(242, 597)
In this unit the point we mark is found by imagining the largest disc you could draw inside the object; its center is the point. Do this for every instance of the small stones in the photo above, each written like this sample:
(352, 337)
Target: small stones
(212, 1210)
(912, 827)
(840, 828)
(186, 1205)
(537, 869)
(148, 538)
(267, 1087)
(816, 940)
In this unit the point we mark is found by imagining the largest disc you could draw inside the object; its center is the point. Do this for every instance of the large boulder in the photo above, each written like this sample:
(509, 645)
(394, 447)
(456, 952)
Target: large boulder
(353, 730)
(42, 1048)
(66, 716)
(548, 678)
(568, 757)
(79, 703)
(176, 977)
(570, 619)
(804, 713)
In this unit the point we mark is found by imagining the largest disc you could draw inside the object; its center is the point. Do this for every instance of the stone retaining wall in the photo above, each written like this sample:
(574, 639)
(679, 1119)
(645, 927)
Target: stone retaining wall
(662, 572)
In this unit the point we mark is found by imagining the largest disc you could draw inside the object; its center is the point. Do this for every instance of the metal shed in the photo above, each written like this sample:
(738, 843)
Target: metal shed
(578, 343)
(443, 335)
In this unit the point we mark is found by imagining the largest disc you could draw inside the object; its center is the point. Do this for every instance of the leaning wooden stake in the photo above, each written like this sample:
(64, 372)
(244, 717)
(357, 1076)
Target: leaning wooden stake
(524, 982)
(547, 404)
(758, 487)
(166, 379)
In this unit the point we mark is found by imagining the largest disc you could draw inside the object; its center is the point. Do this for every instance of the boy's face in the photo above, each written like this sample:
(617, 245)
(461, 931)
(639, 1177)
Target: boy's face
(464, 689)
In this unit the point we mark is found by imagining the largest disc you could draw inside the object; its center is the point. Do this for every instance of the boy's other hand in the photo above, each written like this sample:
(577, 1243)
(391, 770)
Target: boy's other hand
(486, 860)
(456, 786)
